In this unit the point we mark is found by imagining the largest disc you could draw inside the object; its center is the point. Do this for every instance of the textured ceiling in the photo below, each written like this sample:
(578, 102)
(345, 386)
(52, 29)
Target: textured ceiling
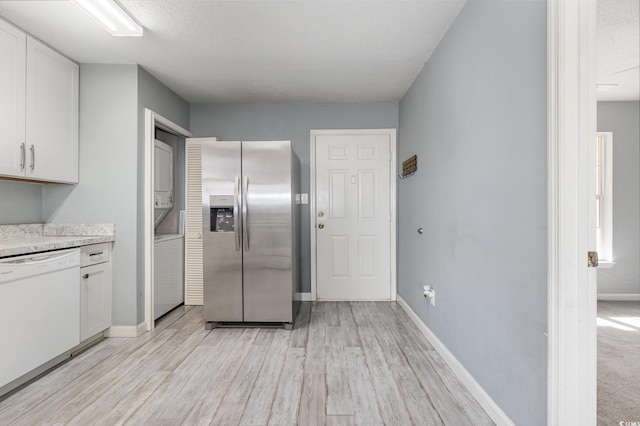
(257, 51)
(236, 51)
(618, 44)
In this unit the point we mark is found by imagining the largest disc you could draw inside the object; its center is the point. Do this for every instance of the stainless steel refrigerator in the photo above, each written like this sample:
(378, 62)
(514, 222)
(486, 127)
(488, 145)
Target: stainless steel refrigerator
(250, 232)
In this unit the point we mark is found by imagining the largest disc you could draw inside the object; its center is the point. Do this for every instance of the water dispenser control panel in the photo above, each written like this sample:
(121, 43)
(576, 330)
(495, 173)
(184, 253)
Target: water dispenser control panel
(221, 215)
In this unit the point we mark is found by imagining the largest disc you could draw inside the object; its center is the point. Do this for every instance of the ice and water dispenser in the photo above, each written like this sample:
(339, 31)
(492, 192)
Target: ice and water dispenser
(221, 215)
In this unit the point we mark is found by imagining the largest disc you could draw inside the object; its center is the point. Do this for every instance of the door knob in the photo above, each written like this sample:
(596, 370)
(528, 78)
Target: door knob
(321, 226)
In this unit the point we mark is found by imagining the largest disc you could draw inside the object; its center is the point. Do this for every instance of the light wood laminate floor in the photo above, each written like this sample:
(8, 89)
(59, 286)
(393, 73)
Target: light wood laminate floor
(358, 363)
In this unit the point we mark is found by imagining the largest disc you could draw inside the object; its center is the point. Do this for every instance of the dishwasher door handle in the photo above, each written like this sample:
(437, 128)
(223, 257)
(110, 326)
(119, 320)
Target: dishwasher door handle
(36, 259)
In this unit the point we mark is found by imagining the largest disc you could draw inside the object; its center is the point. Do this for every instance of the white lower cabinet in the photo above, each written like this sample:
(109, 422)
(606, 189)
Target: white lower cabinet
(95, 290)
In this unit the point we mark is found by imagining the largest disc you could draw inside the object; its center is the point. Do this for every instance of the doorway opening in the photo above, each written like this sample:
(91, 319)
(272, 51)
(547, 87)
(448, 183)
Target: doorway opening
(170, 135)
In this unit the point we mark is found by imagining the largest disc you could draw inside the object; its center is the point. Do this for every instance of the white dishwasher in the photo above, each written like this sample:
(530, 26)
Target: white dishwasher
(39, 313)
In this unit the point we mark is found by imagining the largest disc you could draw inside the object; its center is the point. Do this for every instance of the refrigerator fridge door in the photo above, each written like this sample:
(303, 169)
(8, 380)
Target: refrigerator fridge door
(222, 231)
(267, 238)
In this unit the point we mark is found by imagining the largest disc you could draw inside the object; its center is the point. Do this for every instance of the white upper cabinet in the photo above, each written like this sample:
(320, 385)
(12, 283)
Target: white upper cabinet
(52, 115)
(12, 101)
(38, 110)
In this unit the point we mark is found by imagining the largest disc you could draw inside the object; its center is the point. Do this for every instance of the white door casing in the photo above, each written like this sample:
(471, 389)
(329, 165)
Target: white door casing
(572, 366)
(151, 121)
(353, 214)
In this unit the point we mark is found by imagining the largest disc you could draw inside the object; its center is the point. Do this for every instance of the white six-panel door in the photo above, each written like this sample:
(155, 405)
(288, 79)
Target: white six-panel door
(353, 213)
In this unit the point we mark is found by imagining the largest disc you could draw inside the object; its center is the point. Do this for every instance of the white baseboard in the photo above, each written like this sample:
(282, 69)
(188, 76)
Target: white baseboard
(483, 398)
(304, 297)
(622, 297)
(126, 330)
(142, 328)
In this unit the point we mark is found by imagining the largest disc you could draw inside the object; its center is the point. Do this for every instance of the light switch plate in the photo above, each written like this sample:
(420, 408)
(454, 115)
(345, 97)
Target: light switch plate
(304, 198)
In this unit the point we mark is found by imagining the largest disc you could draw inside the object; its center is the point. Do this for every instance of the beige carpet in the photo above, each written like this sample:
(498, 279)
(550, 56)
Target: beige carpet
(618, 363)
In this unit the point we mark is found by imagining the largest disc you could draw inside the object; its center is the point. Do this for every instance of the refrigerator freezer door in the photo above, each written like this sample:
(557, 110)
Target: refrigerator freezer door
(266, 168)
(222, 274)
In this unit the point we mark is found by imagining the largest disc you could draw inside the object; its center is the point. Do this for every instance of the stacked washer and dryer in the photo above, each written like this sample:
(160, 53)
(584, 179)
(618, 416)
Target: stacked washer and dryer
(168, 271)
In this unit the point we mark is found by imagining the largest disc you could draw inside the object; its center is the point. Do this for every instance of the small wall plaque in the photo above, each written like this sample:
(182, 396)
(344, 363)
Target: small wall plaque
(409, 166)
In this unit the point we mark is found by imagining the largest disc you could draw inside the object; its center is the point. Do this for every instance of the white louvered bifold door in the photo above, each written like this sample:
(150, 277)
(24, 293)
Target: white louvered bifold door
(193, 292)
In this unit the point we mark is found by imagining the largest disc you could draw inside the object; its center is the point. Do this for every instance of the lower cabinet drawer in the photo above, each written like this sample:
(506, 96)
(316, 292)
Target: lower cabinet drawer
(95, 253)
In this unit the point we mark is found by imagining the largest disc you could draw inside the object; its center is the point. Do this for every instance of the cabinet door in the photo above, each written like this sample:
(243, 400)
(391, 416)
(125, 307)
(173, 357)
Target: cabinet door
(52, 115)
(12, 102)
(193, 293)
(95, 299)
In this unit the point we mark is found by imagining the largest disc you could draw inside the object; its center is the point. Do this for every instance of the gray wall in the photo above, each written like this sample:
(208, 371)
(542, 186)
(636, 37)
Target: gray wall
(157, 97)
(476, 118)
(290, 122)
(623, 119)
(106, 192)
(20, 202)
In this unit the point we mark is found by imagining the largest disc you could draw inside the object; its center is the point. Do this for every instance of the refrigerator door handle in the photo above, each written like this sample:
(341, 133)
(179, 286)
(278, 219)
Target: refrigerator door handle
(245, 213)
(236, 212)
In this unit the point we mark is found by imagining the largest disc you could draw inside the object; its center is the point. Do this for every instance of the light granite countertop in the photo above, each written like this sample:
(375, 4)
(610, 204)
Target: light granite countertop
(33, 238)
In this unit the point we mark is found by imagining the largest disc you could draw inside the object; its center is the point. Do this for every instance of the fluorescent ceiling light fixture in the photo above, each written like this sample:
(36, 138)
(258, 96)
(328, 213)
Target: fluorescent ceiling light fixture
(111, 16)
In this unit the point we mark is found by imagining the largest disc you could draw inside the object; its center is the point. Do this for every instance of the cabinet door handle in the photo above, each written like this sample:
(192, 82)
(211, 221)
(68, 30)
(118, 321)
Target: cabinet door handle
(96, 254)
(85, 276)
(33, 157)
(23, 156)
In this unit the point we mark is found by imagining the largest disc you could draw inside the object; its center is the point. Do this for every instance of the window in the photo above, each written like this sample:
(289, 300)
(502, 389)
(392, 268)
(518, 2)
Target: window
(604, 197)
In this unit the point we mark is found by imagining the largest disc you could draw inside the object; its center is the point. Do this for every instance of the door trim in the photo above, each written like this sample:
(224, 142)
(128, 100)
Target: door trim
(392, 199)
(571, 118)
(151, 121)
